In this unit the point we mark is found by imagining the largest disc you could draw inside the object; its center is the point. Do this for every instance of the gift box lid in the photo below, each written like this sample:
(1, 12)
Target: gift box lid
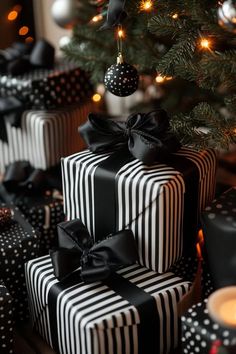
(111, 310)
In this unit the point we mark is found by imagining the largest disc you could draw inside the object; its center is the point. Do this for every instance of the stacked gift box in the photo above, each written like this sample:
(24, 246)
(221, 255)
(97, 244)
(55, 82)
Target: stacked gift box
(6, 321)
(109, 191)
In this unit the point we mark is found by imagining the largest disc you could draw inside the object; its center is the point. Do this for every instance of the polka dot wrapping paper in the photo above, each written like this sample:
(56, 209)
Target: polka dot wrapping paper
(199, 332)
(46, 89)
(219, 226)
(6, 321)
(43, 213)
(18, 244)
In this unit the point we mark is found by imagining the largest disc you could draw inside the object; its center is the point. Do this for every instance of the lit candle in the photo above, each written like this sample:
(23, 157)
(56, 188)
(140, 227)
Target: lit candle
(222, 306)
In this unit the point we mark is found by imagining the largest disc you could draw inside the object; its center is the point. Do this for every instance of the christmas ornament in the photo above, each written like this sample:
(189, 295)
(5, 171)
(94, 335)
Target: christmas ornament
(121, 79)
(65, 13)
(227, 15)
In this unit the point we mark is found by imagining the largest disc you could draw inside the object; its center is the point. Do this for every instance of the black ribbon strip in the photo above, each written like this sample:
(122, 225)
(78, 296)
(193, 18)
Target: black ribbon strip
(116, 14)
(99, 262)
(22, 180)
(11, 110)
(147, 136)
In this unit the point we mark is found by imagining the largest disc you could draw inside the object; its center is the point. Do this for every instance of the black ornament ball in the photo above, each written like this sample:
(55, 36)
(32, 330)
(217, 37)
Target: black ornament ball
(227, 15)
(121, 79)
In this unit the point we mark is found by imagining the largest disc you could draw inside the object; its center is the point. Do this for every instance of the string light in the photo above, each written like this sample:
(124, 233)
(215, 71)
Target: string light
(96, 97)
(12, 16)
(121, 33)
(23, 30)
(29, 40)
(146, 5)
(205, 43)
(97, 18)
(160, 79)
(175, 16)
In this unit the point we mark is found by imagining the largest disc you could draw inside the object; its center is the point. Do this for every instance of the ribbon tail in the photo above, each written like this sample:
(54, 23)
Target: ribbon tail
(65, 262)
(115, 14)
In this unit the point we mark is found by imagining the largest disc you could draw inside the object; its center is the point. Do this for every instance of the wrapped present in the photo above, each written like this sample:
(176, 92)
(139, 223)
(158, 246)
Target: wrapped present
(200, 333)
(43, 137)
(150, 199)
(6, 321)
(38, 195)
(219, 226)
(63, 85)
(95, 319)
(18, 244)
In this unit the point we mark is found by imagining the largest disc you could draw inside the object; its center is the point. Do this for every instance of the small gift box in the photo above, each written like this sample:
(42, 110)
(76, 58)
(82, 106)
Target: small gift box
(200, 333)
(110, 305)
(42, 88)
(159, 201)
(18, 244)
(219, 226)
(43, 137)
(38, 195)
(6, 321)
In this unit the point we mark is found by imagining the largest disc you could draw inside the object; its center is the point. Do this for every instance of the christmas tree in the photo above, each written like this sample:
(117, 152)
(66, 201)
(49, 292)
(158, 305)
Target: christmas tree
(180, 41)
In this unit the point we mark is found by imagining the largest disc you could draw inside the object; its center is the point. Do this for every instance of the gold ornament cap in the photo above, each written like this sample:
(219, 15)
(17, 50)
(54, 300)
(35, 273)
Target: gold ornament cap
(120, 59)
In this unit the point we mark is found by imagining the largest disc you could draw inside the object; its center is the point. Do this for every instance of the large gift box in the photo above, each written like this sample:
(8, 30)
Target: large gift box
(43, 137)
(95, 319)
(18, 244)
(219, 226)
(43, 88)
(200, 334)
(6, 321)
(159, 203)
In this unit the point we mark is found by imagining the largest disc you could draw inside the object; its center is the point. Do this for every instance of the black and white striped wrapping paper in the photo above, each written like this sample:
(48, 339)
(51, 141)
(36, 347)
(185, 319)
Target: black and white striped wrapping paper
(149, 201)
(44, 136)
(63, 85)
(93, 319)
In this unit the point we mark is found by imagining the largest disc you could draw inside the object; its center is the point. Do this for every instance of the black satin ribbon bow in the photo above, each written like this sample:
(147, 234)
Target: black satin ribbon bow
(11, 110)
(115, 14)
(21, 179)
(97, 260)
(147, 136)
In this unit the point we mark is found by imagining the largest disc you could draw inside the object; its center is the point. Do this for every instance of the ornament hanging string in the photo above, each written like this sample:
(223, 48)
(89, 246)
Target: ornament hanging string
(120, 44)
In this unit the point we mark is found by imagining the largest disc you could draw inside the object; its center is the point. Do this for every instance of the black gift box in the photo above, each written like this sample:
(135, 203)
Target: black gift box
(199, 332)
(44, 89)
(18, 244)
(43, 213)
(6, 321)
(219, 226)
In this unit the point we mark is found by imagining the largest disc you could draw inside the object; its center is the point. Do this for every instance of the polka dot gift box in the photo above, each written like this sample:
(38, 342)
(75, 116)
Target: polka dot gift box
(200, 333)
(18, 244)
(6, 321)
(219, 226)
(63, 85)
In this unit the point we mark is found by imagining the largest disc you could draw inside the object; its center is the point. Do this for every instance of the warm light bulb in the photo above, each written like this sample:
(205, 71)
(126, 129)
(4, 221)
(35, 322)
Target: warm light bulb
(29, 40)
(175, 16)
(12, 15)
(205, 43)
(97, 18)
(96, 97)
(23, 30)
(159, 79)
(121, 33)
(146, 5)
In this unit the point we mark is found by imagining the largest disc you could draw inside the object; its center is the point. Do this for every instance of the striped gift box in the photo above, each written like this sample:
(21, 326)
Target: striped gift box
(94, 319)
(149, 200)
(44, 136)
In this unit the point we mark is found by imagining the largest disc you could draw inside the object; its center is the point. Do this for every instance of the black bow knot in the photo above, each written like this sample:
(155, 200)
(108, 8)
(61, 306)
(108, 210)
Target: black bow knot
(96, 261)
(147, 136)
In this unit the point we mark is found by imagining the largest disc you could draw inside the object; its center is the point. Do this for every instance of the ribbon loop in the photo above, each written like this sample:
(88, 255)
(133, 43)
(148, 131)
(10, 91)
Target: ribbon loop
(147, 136)
(97, 260)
